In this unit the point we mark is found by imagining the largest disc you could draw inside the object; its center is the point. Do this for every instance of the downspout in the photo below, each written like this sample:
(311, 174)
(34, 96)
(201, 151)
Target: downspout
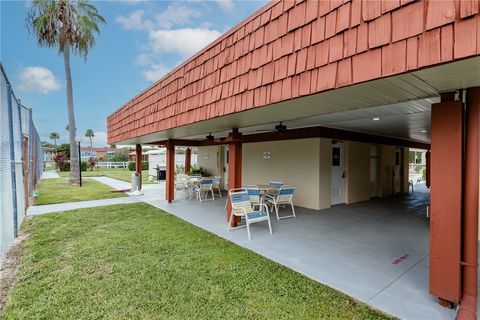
(468, 304)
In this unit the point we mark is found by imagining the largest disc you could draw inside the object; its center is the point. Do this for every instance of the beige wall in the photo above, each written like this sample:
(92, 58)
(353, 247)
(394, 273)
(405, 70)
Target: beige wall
(405, 170)
(213, 163)
(295, 162)
(387, 161)
(357, 167)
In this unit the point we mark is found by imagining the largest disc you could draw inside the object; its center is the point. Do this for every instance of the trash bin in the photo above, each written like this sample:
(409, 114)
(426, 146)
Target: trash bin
(161, 173)
(135, 181)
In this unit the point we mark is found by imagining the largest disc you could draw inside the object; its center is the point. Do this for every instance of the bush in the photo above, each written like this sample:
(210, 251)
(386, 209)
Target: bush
(199, 170)
(61, 160)
(83, 165)
(131, 165)
(92, 162)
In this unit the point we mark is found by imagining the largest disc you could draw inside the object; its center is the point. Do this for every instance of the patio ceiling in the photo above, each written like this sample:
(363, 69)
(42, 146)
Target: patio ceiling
(401, 102)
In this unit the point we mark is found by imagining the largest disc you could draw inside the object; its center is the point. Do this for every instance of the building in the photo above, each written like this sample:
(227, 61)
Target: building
(330, 96)
(48, 153)
(97, 153)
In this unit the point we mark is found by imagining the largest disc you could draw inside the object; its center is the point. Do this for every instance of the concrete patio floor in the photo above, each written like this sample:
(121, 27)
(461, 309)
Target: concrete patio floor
(375, 251)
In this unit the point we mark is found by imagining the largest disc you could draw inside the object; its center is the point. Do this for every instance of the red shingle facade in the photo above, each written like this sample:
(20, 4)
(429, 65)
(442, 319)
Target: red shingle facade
(289, 49)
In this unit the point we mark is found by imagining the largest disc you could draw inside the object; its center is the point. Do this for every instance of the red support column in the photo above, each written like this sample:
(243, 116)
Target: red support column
(188, 160)
(170, 183)
(427, 168)
(138, 163)
(468, 306)
(234, 167)
(446, 201)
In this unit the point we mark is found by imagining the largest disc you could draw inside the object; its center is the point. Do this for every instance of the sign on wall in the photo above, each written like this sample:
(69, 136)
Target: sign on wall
(267, 155)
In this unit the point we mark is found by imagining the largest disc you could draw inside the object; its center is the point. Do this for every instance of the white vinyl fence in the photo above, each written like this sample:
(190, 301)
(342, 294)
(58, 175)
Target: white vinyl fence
(21, 163)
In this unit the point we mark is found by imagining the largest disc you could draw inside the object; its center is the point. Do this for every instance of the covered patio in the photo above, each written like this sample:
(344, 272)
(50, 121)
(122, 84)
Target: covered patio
(375, 251)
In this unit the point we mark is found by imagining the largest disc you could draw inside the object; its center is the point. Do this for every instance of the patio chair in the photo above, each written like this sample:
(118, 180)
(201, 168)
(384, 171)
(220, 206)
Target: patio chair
(283, 197)
(204, 188)
(243, 208)
(216, 185)
(273, 187)
(254, 194)
(181, 183)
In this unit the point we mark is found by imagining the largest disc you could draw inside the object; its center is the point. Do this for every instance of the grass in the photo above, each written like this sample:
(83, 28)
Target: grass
(117, 173)
(59, 191)
(136, 262)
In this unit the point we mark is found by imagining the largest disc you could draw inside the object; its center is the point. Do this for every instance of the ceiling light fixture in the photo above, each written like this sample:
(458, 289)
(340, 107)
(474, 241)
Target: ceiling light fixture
(423, 131)
(210, 137)
(376, 119)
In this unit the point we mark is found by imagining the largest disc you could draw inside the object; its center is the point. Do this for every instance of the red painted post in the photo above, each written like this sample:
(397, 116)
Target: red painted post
(446, 201)
(170, 183)
(188, 160)
(138, 163)
(234, 168)
(468, 306)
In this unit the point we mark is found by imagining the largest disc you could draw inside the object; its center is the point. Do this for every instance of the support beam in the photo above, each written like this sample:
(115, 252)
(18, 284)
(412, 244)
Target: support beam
(234, 167)
(138, 163)
(428, 155)
(446, 201)
(170, 182)
(468, 306)
(188, 160)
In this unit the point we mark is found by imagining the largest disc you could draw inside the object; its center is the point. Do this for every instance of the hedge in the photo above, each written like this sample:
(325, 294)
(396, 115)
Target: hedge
(131, 165)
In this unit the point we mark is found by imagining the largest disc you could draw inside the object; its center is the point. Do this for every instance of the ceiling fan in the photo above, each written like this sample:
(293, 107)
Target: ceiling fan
(210, 137)
(280, 127)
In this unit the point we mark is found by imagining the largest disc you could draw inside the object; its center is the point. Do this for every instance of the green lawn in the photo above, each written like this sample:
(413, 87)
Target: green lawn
(137, 262)
(59, 191)
(117, 173)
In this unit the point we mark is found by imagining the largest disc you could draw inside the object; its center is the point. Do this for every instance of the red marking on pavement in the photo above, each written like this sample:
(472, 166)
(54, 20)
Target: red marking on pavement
(400, 259)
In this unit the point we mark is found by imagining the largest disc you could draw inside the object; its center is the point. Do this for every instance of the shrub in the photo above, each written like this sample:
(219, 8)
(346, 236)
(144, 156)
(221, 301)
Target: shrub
(131, 165)
(61, 160)
(92, 162)
(83, 166)
(199, 170)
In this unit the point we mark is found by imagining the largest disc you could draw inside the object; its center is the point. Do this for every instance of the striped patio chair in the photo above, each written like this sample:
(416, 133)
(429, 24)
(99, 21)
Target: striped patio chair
(204, 188)
(216, 185)
(283, 197)
(274, 186)
(254, 194)
(243, 208)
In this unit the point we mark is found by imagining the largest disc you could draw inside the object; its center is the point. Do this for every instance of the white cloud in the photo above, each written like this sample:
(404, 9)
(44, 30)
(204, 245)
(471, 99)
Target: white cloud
(156, 72)
(134, 21)
(226, 5)
(175, 14)
(98, 141)
(37, 80)
(184, 41)
(142, 59)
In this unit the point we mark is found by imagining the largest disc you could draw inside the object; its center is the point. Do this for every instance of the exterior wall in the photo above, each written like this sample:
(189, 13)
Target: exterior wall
(387, 161)
(289, 49)
(295, 162)
(357, 181)
(209, 158)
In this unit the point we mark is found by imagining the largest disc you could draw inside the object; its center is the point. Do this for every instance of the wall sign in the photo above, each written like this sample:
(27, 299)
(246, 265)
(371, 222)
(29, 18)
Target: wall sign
(266, 155)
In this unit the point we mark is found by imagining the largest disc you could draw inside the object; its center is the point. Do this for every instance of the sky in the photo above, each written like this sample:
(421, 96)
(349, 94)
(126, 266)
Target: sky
(140, 42)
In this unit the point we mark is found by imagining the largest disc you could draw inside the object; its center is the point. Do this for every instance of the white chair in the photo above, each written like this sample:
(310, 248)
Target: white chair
(273, 187)
(216, 185)
(181, 183)
(284, 196)
(254, 194)
(243, 208)
(204, 188)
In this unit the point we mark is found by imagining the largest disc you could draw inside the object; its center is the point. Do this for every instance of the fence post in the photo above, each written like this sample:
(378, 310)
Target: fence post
(12, 159)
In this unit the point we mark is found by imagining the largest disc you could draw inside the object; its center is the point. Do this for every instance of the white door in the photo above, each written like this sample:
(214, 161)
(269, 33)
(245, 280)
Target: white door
(338, 173)
(225, 168)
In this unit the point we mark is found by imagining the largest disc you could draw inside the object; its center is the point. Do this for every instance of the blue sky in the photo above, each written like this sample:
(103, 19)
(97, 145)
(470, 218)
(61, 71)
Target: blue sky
(141, 41)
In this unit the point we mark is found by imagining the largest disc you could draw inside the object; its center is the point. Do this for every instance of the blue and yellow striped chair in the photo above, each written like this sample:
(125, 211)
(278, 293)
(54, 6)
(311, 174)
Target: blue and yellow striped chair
(243, 208)
(283, 197)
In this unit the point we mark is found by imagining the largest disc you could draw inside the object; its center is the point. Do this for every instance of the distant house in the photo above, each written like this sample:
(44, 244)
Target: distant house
(97, 153)
(132, 156)
(48, 153)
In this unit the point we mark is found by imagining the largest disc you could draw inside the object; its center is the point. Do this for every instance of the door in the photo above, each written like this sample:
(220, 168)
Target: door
(225, 168)
(338, 173)
(397, 174)
(374, 169)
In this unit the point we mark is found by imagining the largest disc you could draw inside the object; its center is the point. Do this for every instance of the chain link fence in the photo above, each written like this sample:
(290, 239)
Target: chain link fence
(21, 163)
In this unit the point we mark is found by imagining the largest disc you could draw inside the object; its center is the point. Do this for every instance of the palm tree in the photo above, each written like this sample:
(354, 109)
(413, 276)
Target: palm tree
(89, 134)
(69, 25)
(67, 128)
(54, 136)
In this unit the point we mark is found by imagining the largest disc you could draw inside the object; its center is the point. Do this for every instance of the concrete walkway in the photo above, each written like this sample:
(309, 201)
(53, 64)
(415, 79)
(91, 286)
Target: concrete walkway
(36, 210)
(114, 183)
(49, 175)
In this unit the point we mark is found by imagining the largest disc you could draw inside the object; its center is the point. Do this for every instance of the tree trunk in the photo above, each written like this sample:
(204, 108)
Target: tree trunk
(91, 148)
(74, 156)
